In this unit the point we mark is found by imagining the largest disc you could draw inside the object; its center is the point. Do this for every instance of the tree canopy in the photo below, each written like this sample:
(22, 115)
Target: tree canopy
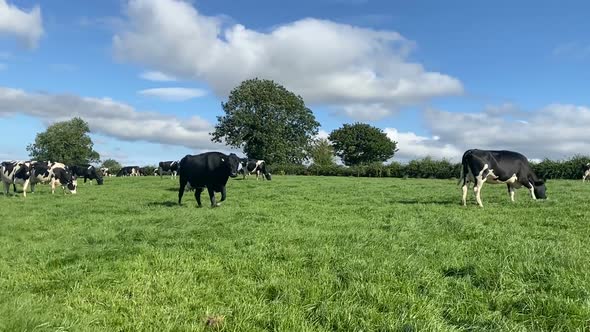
(267, 121)
(361, 143)
(66, 142)
(322, 152)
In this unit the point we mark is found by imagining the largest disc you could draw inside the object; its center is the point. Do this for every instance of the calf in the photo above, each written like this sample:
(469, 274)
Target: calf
(250, 166)
(586, 169)
(508, 167)
(168, 166)
(209, 170)
(88, 172)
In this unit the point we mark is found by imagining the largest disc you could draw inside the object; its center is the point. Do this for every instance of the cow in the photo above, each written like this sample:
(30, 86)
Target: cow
(13, 172)
(88, 172)
(250, 166)
(129, 171)
(210, 170)
(586, 169)
(168, 166)
(56, 174)
(508, 167)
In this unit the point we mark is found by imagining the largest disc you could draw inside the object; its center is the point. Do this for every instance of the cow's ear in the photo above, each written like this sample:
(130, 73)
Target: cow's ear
(539, 182)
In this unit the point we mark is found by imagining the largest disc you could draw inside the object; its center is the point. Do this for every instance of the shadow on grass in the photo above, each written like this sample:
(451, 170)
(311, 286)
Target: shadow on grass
(164, 204)
(437, 202)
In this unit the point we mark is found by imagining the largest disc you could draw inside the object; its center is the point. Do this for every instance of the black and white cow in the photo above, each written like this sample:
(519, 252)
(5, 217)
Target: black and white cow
(104, 171)
(209, 170)
(15, 172)
(168, 166)
(250, 166)
(586, 169)
(508, 167)
(56, 174)
(88, 172)
(129, 171)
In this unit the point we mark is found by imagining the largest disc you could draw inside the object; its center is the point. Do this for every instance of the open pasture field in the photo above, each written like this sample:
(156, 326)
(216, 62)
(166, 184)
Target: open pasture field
(296, 254)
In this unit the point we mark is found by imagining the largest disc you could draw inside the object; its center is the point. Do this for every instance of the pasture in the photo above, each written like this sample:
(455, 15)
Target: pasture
(295, 254)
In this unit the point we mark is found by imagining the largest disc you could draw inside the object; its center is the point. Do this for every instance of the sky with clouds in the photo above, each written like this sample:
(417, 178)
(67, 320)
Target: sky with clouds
(149, 76)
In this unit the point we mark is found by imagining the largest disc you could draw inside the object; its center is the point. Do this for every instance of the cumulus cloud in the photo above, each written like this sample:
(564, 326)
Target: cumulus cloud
(556, 131)
(27, 26)
(411, 146)
(111, 118)
(356, 70)
(157, 76)
(173, 94)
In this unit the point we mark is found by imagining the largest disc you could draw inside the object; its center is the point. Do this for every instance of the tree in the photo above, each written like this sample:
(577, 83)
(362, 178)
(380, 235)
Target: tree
(267, 121)
(361, 143)
(113, 165)
(322, 153)
(66, 142)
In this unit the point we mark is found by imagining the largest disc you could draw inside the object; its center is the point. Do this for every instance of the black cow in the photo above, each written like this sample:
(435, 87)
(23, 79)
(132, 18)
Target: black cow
(129, 171)
(586, 169)
(168, 166)
(88, 172)
(511, 168)
(56, 174)
(13, 172)
(211, 170)
(250, 166)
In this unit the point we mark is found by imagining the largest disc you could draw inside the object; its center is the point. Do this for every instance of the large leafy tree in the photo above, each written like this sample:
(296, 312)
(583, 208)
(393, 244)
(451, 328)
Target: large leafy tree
(67, 142)
(322, 152)
(113, 165)
(267, 121)
(361, 143)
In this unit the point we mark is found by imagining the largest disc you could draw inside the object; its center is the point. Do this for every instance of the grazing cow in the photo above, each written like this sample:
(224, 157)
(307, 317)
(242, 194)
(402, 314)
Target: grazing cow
(250, 166)
(210, 170)
(105, 171)
(511, 168)
(88, 172)
(586, 169)
(168, 166)
(14, 172)
(129, 171)
(56, 174)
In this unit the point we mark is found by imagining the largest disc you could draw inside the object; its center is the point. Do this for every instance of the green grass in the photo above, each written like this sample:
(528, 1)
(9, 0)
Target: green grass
(296, 254)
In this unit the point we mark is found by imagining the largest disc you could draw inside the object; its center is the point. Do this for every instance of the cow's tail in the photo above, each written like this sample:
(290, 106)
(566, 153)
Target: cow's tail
(464, 171)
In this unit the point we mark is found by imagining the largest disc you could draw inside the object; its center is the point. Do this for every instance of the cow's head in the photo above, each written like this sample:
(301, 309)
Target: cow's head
(234, 164)
(70, 181)
(23, 172)
(539, 188)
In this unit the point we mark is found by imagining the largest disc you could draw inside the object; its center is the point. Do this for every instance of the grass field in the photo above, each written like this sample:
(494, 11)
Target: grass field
(295, 254)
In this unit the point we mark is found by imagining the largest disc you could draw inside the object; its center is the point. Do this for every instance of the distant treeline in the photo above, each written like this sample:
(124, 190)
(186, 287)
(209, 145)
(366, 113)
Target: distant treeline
(428, 168)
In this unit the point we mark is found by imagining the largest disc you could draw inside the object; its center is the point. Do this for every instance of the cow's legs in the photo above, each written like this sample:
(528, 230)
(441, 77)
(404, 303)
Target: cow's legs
(198, 191)
(25, 186)
(464, 188)
(511, 192)
(212, 196)
(6, 188)
(223, 193)
(181, 190)
(477, 190)
(52, 187)
(532, 190)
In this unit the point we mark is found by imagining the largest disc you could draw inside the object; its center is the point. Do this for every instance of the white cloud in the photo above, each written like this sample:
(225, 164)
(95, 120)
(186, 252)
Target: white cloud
(26, 26)
(322, 134)
(157, 76)
(556, 131)
(110, 118)
(350, 68)
(411, 146)
(173, 94)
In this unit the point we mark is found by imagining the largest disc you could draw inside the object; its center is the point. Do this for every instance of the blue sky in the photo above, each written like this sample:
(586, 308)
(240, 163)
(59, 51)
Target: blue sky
(438, 77)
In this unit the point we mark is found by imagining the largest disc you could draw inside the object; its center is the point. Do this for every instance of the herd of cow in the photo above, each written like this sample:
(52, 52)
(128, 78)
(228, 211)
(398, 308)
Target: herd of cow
(212, 170)
(209, 170)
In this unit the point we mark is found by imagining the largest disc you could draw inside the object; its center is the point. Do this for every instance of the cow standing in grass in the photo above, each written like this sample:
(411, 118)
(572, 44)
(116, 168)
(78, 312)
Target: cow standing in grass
(15, 172)
(56, 174)
(88, 172)
(209, 170)
(250, 166)
(508, 167)
(586, 169)
(168, 166)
